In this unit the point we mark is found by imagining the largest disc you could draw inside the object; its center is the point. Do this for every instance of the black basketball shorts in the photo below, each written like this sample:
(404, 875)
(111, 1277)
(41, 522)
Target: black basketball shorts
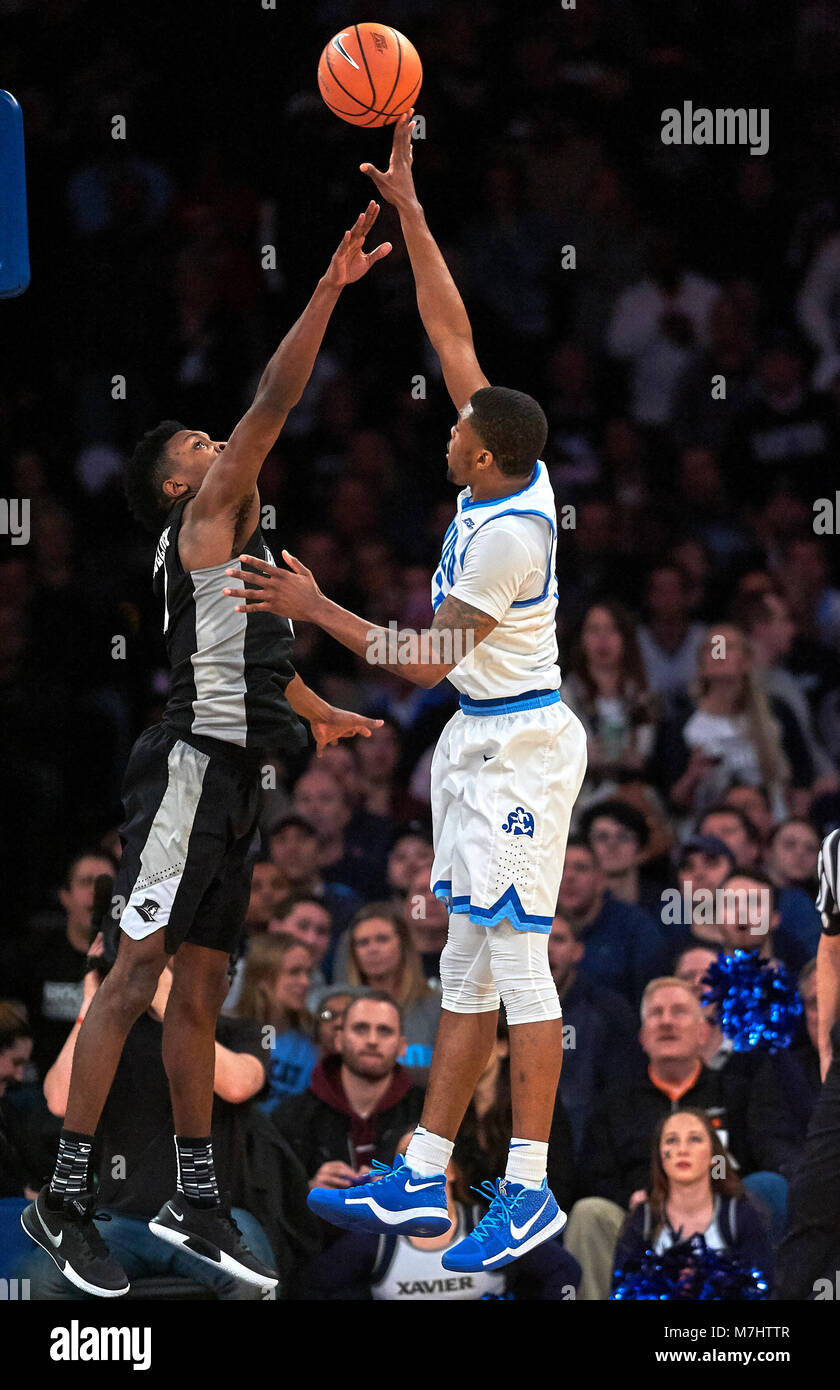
(190, 822)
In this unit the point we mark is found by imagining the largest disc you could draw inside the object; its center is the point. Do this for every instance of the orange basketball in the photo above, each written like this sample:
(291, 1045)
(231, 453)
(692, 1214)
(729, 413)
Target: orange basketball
(369, 74)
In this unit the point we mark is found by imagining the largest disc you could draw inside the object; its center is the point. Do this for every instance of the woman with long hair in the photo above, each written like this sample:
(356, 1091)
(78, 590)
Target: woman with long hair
(606, 687)
(694, 1191)
(730, 733)
(382, 956)
(275, 982)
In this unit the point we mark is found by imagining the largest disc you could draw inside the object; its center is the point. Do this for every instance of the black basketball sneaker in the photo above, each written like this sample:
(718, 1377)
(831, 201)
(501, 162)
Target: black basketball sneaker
(211, 1235)
(74, 1244)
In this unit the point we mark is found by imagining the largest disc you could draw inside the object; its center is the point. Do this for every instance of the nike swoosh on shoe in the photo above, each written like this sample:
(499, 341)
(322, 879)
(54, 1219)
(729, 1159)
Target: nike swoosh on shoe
(54, 1240)
(519, 1231)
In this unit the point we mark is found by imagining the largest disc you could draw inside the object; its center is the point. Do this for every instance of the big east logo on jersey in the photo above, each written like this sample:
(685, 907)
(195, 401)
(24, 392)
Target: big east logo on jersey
(519, 822)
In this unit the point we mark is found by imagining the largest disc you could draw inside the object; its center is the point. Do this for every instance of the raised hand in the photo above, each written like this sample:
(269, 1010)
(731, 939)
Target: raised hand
(396, 183)
(351, 261)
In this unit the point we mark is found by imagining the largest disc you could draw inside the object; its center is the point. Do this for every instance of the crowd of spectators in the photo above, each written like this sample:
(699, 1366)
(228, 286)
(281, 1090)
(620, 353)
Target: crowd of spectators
(698, 616)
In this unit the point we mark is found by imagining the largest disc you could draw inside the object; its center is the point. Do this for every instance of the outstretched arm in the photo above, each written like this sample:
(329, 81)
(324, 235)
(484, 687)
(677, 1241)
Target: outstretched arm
(441, 306)
(422, 658)
(233, 476)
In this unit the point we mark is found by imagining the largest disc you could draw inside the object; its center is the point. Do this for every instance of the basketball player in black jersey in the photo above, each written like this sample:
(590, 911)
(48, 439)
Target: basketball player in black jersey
(191, 797)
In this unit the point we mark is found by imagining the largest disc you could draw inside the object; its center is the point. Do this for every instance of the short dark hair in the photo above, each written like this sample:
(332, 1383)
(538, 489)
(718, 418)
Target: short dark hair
(376, 996)
(620, 811)
(511, 425)
(293, 900)
(86, 852)
(144, 473)
(748, 826)
(756, 876)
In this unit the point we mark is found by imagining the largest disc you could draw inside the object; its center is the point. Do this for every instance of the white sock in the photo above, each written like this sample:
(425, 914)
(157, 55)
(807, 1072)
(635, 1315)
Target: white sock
(427, 1154)
(527, 1162)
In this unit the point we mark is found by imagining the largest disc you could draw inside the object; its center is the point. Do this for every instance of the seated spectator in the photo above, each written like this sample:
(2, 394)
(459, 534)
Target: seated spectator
(294, 851)
(428, 923)
(618, 834)
(136, 1159)
(381, 792)
(383, 958)
(734, 827)
(749, 918)
(703, 864)
(411, 853)
(267, 888)
(24, 1168)
(669, 641)
(329, 1008)
(359, 1102)
(599, 1027)
(768, 623)
(273, 995)
(352, 845)
(694, 1190)
(614, 1161)
(307, 919)
(692, 967)
(623, 944)
(730, 732)
(408, 1269)
(792, 850)
(754, 803)
(484, 1136)
(606, 686)
(46, 969)
(785, 1091)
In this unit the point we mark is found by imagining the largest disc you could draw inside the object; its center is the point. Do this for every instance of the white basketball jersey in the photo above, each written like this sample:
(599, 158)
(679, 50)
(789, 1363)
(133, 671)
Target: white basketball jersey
(521, 652)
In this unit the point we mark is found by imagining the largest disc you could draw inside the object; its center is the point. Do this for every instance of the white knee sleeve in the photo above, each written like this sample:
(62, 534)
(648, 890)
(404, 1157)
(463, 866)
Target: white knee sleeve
(466, 975)
(519, 961)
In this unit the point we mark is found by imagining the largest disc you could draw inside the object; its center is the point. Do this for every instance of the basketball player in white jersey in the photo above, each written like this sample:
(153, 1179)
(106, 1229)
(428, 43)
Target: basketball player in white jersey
(505, 775)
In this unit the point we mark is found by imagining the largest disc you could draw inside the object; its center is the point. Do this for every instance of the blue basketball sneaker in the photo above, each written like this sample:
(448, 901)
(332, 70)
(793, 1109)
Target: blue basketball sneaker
(519, 1219)
(395, 1201)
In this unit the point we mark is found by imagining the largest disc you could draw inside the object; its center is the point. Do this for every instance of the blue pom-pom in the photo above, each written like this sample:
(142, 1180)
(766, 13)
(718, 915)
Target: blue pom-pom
(688, 1270)
(756, 1005)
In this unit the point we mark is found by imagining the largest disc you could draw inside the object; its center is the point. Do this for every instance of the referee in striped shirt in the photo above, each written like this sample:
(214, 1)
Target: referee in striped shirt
(811, 1249)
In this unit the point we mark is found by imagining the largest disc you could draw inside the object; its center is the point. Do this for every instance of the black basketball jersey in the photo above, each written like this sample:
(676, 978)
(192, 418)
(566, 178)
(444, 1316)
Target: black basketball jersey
(229, 669)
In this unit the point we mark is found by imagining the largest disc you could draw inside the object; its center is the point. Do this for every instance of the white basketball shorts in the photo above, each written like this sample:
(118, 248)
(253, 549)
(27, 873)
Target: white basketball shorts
(505, 776)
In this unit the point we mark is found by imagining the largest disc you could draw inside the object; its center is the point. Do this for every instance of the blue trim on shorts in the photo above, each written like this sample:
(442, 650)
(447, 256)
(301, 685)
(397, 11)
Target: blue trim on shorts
(529, 699)
(446, 885)
(507, 906)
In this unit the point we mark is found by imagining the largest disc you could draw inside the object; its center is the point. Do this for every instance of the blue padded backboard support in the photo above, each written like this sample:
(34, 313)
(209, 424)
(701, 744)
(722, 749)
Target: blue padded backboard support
(14, 236)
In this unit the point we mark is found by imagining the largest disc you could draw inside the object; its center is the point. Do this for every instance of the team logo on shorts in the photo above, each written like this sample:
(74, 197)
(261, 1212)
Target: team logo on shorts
(519, 822)
(148, 909)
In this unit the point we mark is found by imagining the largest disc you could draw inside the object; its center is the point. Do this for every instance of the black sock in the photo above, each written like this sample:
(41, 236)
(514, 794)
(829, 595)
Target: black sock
(72, 1167)
(196, 1171)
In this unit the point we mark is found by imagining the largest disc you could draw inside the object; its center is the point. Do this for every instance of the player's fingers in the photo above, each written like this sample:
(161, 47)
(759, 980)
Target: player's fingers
(380, 252)
(294, 563)
(239, 593)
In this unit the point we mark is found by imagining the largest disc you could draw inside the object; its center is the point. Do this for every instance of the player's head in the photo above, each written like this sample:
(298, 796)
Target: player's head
(498, 431)
(169, 464)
